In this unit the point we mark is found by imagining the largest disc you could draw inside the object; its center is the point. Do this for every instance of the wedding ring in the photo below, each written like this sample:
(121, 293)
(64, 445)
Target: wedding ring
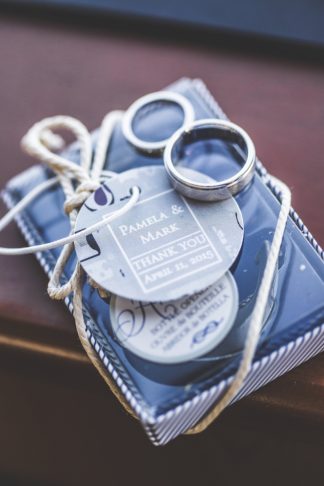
(208, 129)
(139, 105)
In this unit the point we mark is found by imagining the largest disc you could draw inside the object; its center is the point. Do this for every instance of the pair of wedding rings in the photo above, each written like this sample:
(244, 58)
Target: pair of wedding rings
(192, 130)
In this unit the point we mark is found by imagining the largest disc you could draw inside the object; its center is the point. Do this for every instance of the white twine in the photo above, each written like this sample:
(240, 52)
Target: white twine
(72, 238)
(38, 142)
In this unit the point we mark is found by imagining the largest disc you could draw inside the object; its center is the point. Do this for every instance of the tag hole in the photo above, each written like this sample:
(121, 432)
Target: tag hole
(131, 190)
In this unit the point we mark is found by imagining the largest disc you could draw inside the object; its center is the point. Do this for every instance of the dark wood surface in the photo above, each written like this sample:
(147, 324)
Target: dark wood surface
(59, 423)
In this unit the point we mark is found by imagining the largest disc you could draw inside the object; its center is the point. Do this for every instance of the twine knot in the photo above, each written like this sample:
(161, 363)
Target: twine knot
(80, 195)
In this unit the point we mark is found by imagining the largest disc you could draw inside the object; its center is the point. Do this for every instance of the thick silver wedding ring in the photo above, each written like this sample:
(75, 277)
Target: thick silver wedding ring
(210, 191)
(140, 104)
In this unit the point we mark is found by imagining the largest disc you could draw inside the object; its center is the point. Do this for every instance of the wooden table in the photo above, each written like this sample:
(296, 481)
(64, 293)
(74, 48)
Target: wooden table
(60, 425)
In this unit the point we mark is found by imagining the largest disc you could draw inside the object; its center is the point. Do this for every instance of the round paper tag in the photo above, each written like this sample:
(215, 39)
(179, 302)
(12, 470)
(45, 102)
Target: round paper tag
(176, 331)
(165, 247)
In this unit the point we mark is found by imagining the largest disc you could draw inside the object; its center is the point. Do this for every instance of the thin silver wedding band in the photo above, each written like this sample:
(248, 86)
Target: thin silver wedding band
(138, 105)
(218, 190)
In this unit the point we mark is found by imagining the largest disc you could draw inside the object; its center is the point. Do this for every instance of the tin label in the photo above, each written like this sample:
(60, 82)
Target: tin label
(177, 331)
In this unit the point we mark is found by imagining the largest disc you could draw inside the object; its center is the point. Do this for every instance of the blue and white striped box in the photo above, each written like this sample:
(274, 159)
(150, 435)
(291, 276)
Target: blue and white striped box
(178, 408)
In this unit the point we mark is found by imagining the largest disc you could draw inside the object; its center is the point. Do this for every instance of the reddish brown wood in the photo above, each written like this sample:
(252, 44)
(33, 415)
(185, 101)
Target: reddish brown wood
(48, 69)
